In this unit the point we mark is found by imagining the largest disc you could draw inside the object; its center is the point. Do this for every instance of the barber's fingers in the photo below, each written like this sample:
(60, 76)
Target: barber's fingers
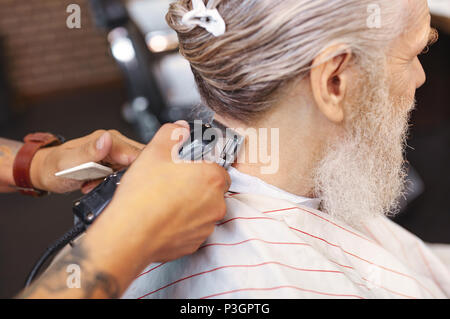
(167, 143)
(168, 140)
(107, 146)
(119, 152)
(226, 178)
(183, 124)
(123, 151)
(126, 140)
(87, 187)
(92, 148)
(216, 175)
(221, 209)
(228, 181)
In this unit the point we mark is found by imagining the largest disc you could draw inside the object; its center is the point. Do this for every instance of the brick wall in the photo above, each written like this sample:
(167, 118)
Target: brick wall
(43, 55)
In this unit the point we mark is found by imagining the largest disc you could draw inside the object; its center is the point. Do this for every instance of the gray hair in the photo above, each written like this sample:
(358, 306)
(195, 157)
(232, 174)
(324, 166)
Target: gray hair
(269, 43)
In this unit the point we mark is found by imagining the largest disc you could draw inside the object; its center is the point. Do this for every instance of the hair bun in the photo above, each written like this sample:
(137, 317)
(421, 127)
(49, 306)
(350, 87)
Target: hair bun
(175, 15)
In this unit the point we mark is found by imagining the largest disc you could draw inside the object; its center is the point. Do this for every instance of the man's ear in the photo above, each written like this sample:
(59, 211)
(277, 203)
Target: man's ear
(329, 81)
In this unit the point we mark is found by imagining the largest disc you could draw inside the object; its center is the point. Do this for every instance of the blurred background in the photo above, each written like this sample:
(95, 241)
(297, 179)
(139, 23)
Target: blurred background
(120, 70)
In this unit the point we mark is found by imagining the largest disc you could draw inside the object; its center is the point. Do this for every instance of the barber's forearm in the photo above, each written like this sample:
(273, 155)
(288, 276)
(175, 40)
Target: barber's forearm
(107, 265)
(8, 151)
(96, 279)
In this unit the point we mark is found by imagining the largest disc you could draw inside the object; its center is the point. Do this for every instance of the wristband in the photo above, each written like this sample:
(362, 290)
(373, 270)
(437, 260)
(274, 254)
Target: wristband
(23, 159)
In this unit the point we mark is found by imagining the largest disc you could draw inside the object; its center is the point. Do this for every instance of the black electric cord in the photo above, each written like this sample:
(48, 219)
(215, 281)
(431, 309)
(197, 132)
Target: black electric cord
(53, 249)
(86, 210)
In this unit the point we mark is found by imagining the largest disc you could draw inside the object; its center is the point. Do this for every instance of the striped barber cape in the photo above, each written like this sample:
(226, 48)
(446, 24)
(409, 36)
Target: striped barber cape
(272, 244)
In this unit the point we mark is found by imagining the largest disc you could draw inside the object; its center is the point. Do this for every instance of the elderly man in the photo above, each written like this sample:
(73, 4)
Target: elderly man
(337, 80)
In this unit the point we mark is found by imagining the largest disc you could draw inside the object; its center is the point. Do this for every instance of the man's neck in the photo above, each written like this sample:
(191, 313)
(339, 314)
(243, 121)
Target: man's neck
(294, 154)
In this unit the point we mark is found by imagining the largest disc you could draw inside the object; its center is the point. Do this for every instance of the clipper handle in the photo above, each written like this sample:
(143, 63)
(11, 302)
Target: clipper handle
(89, 207)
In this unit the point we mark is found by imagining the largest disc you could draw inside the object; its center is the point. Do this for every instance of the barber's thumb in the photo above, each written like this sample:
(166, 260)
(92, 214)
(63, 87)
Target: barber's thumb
(96, 149)
(92, 148)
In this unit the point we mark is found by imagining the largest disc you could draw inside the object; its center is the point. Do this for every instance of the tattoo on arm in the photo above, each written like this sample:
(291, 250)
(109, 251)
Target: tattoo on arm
(14, 146)
(94, 283)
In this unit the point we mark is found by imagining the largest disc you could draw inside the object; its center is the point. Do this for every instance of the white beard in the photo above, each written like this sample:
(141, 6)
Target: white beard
(363, 174)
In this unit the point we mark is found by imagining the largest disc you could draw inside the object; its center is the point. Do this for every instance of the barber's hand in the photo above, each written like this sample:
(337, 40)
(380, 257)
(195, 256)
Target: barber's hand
(162, 210)
(109, 147)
